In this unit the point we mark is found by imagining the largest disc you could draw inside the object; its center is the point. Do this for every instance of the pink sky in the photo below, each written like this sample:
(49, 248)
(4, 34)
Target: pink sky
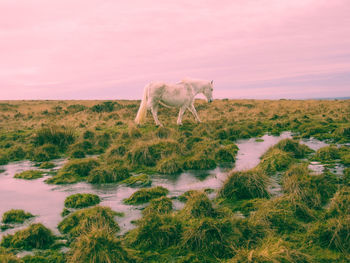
(89, 49)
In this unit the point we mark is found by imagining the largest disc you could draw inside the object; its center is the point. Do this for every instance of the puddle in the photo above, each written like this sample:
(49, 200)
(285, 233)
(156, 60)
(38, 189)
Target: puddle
(47, 201)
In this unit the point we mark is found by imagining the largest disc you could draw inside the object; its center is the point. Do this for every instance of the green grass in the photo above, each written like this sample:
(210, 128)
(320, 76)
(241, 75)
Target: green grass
(245, 185)
(81, 200)
(15, 216)
(36, 236)
(141, 180)
(79, 221)
(30, 175)
(74, 171)
(307, 223)
(145, 195)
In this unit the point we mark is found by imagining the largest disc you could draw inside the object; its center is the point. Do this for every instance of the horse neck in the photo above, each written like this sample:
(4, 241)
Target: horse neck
(197, 87)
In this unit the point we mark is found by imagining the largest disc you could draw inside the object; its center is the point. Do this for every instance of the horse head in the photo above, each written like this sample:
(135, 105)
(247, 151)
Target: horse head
(208, 91)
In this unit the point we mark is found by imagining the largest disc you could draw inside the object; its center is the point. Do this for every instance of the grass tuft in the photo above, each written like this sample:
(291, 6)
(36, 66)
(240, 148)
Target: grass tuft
(35, 236)
(81, 200)
(245, 185)
(29, 175)
(145, 195)
(15, 216)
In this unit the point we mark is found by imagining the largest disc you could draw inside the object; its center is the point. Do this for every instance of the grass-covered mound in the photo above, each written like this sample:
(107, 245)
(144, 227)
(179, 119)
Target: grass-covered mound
(313, 190)
(81, 200)
(294, 148)
(45, 153)
(284, 214)
(156, 231)
(340, 203)
(147, 154)
(272, 249)
(103, 175)
(30, 174)
(169, 166)
(145, 195)
(15, 216)
(275, 160)
(80, 220)
(96, 245)
(160, 205)
(198, 205)
(199, 162)
(141, 180)
(35, 236)
(47, 165)
(7, 257)
(333, 233)
(327, 154)
(59, 136)
(226, 154)
(245, 185)
(45, 256)
(215, 237)
(74, 171)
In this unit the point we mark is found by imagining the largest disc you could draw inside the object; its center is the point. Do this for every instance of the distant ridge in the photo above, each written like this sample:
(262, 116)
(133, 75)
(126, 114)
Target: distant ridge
(335, 98)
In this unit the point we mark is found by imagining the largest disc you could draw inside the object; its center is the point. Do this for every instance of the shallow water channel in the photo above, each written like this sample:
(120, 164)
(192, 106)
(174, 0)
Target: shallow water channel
(47, 201)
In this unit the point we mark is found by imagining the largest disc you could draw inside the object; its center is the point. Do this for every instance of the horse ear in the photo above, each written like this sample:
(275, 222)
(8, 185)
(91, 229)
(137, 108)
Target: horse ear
(211, 82)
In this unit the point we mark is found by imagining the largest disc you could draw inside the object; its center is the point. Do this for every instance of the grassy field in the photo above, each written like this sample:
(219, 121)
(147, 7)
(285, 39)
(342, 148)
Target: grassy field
(308, 222)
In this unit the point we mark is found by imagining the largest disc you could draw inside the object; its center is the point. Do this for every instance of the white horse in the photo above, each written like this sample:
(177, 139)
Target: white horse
(180, 95)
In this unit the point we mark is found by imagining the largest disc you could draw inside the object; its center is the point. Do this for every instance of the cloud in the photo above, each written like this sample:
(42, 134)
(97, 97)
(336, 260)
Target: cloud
(111, 49)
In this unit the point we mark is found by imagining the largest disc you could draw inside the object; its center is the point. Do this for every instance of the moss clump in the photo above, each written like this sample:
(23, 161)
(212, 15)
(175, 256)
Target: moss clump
(199, 163)
(156, 231)
(214, 237)
(160, 205)
(103, 175)
(79, 221)
(169, 166)
(35, 236)
(47, 165)
(275, 160)
(30, 175)
(145, 195)
(198, 205)
(327, 154)
(245, 185)
(96, 245)
(81, 200)
(74, 171)
(15, 216)
(141, 180)
(294, 148)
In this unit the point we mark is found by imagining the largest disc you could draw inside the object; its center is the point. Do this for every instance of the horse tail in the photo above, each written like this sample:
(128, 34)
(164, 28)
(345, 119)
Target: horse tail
(141, 114)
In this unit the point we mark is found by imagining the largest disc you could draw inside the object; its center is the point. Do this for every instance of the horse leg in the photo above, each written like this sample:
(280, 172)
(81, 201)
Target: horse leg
(154, 110)
(181, 113)
(194, 112)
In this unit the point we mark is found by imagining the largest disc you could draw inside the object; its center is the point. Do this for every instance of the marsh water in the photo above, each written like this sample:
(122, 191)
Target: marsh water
(46, 201)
